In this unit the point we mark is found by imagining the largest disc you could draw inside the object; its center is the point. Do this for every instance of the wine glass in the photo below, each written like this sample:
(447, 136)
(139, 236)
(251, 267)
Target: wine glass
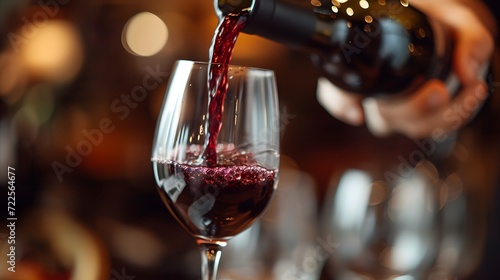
(384, 228)
(283, 244)
(216, 151)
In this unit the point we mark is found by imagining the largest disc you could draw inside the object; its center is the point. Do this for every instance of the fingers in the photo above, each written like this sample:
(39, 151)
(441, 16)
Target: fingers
(474, 43)
(459, 113)
(444, 119)
(431, 97)
(385, 116)
(343, 106)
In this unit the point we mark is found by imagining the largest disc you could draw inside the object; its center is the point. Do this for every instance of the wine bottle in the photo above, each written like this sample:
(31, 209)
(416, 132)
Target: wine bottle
(371, 47)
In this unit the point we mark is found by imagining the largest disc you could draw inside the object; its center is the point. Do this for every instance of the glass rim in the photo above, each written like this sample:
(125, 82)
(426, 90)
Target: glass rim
(206, 63)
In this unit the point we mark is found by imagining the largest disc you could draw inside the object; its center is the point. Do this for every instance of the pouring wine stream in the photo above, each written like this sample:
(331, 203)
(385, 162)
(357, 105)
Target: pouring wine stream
(220, 55)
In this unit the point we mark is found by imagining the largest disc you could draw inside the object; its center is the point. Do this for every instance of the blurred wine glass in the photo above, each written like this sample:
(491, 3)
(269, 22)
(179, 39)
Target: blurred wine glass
(386, 226)
(463, 220)
(427, 224)
(282, 244)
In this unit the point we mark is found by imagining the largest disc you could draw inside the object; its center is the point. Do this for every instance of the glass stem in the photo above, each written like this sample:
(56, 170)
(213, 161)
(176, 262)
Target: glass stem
(210, 257)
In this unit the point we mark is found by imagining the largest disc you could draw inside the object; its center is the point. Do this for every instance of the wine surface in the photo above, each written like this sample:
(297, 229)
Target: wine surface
(216, 202)
(220, 56)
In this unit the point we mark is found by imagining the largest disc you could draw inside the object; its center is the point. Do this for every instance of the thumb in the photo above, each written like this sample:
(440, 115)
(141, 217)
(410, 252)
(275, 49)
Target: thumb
(344, 106)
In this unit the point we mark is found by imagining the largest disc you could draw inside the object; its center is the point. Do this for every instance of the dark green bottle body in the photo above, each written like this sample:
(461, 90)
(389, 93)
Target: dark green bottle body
(382, 48)
(370, 47)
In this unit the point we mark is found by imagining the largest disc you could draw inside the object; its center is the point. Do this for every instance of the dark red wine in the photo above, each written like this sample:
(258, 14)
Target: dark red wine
(220, 56)
(216, 202)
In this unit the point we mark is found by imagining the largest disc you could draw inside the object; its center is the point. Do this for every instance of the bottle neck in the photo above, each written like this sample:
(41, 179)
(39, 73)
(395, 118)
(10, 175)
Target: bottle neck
(284, 22)
(224, 7)
(305, 25)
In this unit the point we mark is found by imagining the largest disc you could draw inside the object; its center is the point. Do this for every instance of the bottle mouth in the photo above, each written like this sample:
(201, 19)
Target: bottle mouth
(224, 7)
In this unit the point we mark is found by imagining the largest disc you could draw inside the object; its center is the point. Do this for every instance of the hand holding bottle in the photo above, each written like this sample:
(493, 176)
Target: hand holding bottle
(432, 106)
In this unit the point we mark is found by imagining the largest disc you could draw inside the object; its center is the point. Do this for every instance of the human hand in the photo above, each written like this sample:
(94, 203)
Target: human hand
(431, 109)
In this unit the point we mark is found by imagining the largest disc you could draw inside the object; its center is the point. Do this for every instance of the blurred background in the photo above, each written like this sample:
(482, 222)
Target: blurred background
(81, 84)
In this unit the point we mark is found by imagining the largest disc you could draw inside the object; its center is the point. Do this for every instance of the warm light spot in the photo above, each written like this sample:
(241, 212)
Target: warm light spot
(145, 34)
(368, 19)
(364, 4)
(411, 47)
(349, 11)
(316, 3)
(338, 2)
(335, 9)
(55, 51)
(404, 3)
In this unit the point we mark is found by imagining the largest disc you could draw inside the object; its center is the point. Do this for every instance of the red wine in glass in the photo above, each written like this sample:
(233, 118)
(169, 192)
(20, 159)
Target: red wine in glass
(216, 202)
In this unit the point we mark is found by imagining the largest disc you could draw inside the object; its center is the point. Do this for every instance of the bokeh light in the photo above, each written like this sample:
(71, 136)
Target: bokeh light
(55, 51)
(145, 34)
